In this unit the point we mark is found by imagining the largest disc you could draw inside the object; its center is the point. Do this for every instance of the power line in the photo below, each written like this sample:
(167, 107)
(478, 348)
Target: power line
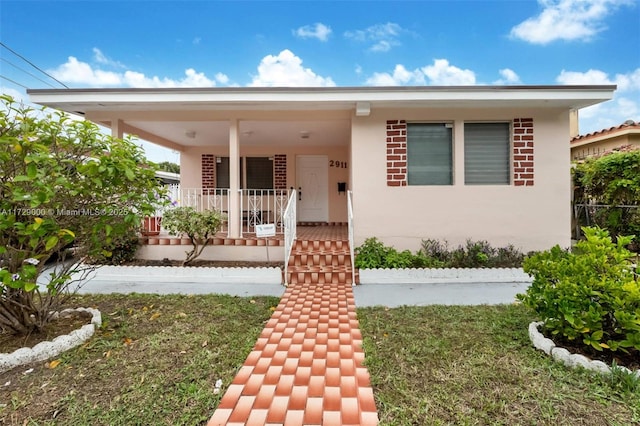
(32, 64)
(14, 82)
(27, 72)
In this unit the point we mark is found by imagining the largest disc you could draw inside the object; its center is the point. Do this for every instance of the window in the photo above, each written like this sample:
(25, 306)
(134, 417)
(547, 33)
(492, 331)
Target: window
(259, 173)
(222, 172)
(486, 154)
(429, 154)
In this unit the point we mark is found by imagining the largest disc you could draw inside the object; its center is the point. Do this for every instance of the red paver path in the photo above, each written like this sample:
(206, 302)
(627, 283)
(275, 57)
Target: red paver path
(306, 367)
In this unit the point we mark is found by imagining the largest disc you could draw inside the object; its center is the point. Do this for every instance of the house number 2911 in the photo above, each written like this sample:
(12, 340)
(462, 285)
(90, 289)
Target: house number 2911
(338, 164)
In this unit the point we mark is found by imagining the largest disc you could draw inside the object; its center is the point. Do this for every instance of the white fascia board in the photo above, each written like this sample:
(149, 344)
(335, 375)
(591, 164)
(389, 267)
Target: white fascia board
(321, 98)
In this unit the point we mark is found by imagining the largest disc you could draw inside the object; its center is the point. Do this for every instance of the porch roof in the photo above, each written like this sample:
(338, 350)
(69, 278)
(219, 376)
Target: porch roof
(178, 118)
(81, 101)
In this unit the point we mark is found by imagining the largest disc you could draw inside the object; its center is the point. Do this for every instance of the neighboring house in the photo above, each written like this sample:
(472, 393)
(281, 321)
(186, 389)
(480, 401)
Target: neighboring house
(481, 162)
(168, 178)
(620, 138)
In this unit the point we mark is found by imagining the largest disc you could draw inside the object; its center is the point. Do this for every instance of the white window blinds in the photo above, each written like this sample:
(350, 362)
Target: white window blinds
(486, 154)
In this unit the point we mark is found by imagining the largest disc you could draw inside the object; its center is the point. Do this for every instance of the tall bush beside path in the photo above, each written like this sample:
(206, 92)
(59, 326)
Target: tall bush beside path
(65, 188)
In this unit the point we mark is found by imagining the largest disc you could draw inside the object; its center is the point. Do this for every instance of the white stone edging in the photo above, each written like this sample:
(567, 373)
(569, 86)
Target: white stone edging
(170, 274)
(562, 355)
(443, 275)
(46, 350)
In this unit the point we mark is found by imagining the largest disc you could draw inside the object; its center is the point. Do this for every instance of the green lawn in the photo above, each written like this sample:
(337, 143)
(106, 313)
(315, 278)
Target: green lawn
(157, 358)
(476, 366)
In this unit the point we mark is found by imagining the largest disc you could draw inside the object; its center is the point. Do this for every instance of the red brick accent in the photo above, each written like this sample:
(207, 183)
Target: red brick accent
(280, 171)
(523, 153)
(396, 153)
(208, 171)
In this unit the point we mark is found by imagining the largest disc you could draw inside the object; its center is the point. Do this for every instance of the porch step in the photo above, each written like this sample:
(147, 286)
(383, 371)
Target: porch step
(320, 261)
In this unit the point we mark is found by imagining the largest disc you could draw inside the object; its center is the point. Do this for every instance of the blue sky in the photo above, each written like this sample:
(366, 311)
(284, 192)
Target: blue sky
(326, 43)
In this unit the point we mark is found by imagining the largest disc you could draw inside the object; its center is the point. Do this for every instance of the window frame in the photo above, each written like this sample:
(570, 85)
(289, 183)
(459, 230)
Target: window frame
(243, 172)
(448, 124)
(509, 148)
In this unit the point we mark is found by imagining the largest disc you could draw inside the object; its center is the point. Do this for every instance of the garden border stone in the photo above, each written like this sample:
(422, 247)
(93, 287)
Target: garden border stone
(565, 357)
(207, 275)
(45, 350)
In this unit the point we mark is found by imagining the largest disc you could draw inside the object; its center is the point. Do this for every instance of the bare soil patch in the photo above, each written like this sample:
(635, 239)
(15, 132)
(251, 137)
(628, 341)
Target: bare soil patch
(58, 327)
(630, 360)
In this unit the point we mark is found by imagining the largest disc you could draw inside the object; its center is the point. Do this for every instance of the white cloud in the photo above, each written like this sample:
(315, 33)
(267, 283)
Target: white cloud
(192, 79)
(81, 73)
(103, 59)
(317, 30)
(222, 78)
(440, 73)
(443, 74)
(566, 20)
(77, 72)
(382, 36)
(625, 104)
(508, 76)
(286, 70)
(625, 82)
(400, 77)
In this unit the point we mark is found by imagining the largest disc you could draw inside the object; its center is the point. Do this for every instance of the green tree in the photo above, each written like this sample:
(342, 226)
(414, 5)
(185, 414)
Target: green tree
(168, 166)
(66, 192)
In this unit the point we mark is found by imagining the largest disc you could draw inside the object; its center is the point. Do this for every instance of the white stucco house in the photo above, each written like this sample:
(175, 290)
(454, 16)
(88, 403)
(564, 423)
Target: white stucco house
(480, 162)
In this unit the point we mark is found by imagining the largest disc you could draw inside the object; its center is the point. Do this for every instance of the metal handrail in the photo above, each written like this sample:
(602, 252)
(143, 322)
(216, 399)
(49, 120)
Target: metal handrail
(350, 223)
(290, 221)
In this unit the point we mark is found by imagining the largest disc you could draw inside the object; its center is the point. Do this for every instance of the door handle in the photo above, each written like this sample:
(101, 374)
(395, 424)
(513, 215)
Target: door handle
(299, 193)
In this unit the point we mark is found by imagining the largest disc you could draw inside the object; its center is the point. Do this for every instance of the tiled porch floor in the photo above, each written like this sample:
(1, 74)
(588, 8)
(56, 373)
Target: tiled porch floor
(307, 365)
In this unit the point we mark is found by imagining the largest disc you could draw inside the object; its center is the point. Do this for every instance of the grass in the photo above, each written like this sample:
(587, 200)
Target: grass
(155, 361)
(475, 366)
(157, 358)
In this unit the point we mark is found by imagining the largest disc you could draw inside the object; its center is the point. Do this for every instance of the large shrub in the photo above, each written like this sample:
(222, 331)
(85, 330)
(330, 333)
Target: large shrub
(63, 184)
(590, 296)
(198, 226)
(611, 181)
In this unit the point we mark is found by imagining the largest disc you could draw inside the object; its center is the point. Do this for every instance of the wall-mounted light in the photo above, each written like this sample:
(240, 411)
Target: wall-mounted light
(304, 134)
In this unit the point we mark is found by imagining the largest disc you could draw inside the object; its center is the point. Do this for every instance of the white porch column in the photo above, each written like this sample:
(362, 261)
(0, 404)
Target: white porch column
(116, 128)
(235, 215)
(458, 152)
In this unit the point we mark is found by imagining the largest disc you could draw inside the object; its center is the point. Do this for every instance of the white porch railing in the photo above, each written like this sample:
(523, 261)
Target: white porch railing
(290, 222)
(260, 206)
(350, 223)
(200, 199)
(257, 206)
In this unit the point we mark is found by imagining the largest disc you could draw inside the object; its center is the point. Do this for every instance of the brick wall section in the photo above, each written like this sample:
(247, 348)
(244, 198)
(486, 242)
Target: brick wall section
(280, 171)
(208, 171)
(523, 159)
(396, 153)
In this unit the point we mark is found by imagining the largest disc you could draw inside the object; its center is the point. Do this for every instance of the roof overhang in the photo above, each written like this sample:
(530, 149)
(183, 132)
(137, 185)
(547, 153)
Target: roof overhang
(357, 99)
(178, 118)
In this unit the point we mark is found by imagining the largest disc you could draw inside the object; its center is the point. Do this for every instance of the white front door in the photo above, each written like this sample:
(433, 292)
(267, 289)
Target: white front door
(312, 173)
